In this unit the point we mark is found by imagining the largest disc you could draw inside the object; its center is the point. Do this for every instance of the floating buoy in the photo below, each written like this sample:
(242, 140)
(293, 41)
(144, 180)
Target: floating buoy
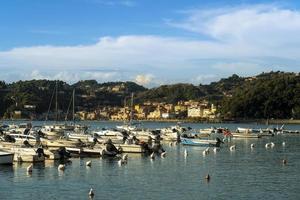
(122, 162)
(125, 157)
(284, 161)
(232, 148)
(252, 146)
(207, 177)
(29, 168)
(88, 163)
(268, 145)
(91, 193)
(216, 149)
(61, 167)
(207, 149)
(163, 154)
(152, 156)
(283, 143)
(272, 145)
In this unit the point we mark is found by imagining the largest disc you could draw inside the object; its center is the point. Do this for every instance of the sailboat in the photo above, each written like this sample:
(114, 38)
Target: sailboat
(54, 130)
(78, 131)
(128, 126)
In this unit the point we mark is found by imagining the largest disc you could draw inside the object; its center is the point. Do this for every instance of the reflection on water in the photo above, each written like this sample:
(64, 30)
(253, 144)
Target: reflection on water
(245, 173)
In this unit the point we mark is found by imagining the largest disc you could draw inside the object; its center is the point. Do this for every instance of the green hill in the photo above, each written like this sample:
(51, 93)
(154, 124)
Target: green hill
(267, 95)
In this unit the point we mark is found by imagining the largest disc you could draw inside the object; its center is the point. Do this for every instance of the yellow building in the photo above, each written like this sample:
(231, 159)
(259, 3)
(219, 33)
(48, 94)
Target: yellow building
(180, 108)
(157, 113)
(195, 112)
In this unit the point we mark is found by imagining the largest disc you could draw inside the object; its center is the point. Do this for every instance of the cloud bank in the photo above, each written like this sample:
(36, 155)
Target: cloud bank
(243, 40)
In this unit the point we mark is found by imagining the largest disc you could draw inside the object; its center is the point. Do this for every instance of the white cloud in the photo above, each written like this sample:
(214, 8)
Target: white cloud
(266, 35)
(264, 25)
(144, 79)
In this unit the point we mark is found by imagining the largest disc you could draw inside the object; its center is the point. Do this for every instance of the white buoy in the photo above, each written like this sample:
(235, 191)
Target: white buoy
(232, 148)
(272, 145)
(61, 167)
(207, 177)
(163, 154)
(252, 146)
(185, 153)
(122, 162)
(283, 143)
(268, 145)
(29, 168)
(216, 149)
(204, 153)
(125, 157)
(152, 156)
(88, 163)
(91, 193)
(284, 161)
(207, 149)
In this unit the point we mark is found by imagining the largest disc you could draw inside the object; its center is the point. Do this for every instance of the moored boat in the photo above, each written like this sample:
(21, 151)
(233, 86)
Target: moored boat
(199, 142)
(6, 158)
(246, 135)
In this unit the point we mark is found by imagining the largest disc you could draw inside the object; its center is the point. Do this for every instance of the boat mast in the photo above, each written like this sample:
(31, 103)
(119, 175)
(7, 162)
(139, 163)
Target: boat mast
(131, 109)
(50, 105)
(74, 105)
(56, 106)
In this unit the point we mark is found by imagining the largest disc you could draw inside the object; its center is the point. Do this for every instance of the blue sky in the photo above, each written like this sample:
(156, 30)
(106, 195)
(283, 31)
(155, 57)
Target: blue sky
(150, 42)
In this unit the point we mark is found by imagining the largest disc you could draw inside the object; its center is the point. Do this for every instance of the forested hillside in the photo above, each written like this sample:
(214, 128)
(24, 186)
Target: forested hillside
(268, 95)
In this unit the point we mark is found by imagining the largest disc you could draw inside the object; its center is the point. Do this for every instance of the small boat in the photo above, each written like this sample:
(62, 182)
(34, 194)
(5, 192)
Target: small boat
(246, 135)
(199, 142)
(109, 134)
(131, 148)
(82, 136)
(26, 154)
(105, 153)
(62, 143)
(86, 152)
(6, 158)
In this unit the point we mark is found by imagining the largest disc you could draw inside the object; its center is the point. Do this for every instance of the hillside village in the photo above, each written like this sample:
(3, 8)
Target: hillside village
(230, 98)
(154, 111)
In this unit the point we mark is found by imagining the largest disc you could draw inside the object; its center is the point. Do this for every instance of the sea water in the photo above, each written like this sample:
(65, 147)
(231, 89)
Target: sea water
(241, 174)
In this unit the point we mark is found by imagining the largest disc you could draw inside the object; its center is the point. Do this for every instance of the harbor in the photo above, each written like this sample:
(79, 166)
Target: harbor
(180, 173)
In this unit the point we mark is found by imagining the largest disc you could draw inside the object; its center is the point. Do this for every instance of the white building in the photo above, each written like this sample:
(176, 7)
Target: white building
(195, 111)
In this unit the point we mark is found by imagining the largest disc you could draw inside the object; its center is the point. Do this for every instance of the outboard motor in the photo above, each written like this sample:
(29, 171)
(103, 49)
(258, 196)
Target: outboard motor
(219, 142)
(40, 152)
(26, 143)
(26, 131)
(63, 153)
(8, 138)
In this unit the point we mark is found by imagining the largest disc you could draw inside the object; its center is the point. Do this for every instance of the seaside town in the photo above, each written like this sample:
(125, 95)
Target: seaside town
(147, 111)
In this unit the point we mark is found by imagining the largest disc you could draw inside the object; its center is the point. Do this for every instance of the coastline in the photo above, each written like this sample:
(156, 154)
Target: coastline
(217, 121)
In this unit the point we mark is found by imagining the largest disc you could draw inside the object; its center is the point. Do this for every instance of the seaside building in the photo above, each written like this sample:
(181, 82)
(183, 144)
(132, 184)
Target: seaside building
(195, 112)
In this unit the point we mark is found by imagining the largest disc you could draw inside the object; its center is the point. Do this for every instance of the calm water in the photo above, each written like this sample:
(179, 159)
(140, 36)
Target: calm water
(243, 174)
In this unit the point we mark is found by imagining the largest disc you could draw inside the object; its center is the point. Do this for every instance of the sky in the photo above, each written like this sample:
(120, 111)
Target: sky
(151, 42)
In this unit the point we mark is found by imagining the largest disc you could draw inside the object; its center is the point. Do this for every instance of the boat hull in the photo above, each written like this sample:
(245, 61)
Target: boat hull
(197, 142)
(242, 135)
(6, 158)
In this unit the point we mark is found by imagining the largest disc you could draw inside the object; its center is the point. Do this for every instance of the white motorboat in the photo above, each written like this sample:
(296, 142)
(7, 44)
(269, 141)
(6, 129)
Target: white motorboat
(6, 158)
